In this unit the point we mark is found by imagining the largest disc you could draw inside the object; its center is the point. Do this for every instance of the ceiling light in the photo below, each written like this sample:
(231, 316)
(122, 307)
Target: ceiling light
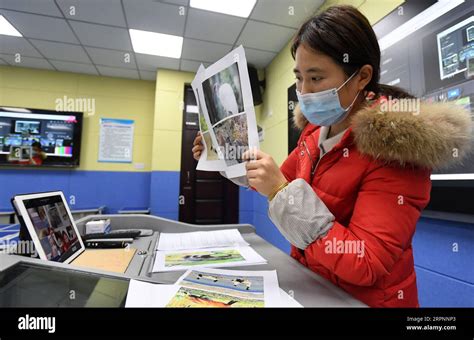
(163, 45)
(7, 29)
(424, 18)
(240, 8)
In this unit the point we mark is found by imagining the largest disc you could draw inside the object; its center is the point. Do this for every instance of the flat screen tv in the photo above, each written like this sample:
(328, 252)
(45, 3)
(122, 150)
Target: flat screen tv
(39, 138)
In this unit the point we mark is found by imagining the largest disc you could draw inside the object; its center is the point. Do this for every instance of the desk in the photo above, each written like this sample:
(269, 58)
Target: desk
(307, 287)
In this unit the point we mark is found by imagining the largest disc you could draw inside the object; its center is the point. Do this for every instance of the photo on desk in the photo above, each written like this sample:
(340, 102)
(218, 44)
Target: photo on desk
(213, 289)
(210, 257)
(227, 288)
(187, 297)
(202, 257)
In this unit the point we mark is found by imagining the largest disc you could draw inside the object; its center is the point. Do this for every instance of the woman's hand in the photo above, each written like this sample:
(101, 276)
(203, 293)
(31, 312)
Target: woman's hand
(262, 172)
(197, 146)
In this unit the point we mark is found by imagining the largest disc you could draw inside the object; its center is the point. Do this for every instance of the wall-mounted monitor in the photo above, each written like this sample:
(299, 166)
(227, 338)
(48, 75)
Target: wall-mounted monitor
(39, 138)
(431, 55)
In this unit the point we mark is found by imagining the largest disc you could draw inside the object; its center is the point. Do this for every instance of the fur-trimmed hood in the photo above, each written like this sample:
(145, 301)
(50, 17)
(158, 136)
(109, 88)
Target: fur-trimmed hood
(438, 135)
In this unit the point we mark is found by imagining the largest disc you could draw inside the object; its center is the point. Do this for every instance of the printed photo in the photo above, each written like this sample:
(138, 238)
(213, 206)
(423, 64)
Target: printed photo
(246, 284)
(186, 297)
(202, 257)
(223, 94)
(232, 138)
(211, 151)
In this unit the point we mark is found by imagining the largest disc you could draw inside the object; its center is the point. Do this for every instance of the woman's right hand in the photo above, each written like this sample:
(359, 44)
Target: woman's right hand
(197, 146)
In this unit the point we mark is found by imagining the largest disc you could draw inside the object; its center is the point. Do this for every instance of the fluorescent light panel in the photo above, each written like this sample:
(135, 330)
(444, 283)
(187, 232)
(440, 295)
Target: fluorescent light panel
(424, 18)
(163, 45)
(7, 29)
(239, 8)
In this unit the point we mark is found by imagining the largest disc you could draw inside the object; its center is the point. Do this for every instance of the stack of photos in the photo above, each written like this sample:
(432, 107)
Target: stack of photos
(228, 124)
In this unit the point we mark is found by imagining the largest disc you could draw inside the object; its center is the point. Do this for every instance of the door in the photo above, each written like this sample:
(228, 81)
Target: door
(205, 197)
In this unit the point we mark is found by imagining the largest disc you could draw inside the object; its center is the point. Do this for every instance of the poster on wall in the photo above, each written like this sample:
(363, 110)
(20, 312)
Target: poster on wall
(116, 140)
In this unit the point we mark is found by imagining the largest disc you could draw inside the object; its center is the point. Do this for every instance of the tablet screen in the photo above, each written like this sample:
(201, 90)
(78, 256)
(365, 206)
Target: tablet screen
(53, 227)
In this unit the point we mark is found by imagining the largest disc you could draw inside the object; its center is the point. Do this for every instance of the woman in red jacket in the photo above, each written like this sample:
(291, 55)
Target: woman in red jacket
(349, 196)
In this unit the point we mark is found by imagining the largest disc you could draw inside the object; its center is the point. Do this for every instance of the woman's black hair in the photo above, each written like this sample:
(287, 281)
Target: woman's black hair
(346, 36)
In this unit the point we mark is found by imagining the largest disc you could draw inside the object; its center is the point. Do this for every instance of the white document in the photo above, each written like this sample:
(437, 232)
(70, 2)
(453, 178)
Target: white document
(256, 286)
(212, 288)
(206, 258)
(201, 239)
(287, 301)
(145, 294)
(229, 127)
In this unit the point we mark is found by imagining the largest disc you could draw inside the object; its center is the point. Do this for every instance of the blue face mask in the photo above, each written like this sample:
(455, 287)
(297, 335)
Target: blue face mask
(324, 108)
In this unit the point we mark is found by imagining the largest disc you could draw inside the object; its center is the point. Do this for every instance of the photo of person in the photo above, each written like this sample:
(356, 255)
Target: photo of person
(232, 138)
(38, 217)
(223, 94)
(54, 218)
(70, 233)
(66, 242)
(62, 212)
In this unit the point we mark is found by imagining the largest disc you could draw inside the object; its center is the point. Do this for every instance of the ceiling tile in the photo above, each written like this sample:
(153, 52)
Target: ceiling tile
(111, 58)
(74, 67)
(202, 50)
(154, 16)
(203, 24)
(27, 62)
(266, 37)
(102, 36)
(148, 62)
(118, 72)
(40, 27)
(285, 12)
(107, 12)
(259, 59)
(60, 51)
(13, 45)
(46, 7)
(147, 75)
(191, 66)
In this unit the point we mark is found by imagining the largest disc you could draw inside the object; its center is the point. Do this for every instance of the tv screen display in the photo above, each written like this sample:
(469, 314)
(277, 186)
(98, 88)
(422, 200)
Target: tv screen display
(435, 63)
(33, 137)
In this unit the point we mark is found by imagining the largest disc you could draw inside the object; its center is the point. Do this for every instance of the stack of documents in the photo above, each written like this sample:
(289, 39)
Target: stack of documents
(220, 248)
(212, 288)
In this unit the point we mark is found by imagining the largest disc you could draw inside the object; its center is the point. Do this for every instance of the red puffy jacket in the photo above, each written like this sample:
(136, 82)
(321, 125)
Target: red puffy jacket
(376, 182)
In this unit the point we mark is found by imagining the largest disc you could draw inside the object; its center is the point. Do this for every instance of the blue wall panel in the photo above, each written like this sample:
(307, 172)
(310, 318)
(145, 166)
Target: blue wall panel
(439, 290)
(164, 194)
(90, 189)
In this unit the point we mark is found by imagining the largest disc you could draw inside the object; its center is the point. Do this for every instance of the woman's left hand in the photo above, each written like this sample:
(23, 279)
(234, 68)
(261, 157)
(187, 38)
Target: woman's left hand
(262, 172)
